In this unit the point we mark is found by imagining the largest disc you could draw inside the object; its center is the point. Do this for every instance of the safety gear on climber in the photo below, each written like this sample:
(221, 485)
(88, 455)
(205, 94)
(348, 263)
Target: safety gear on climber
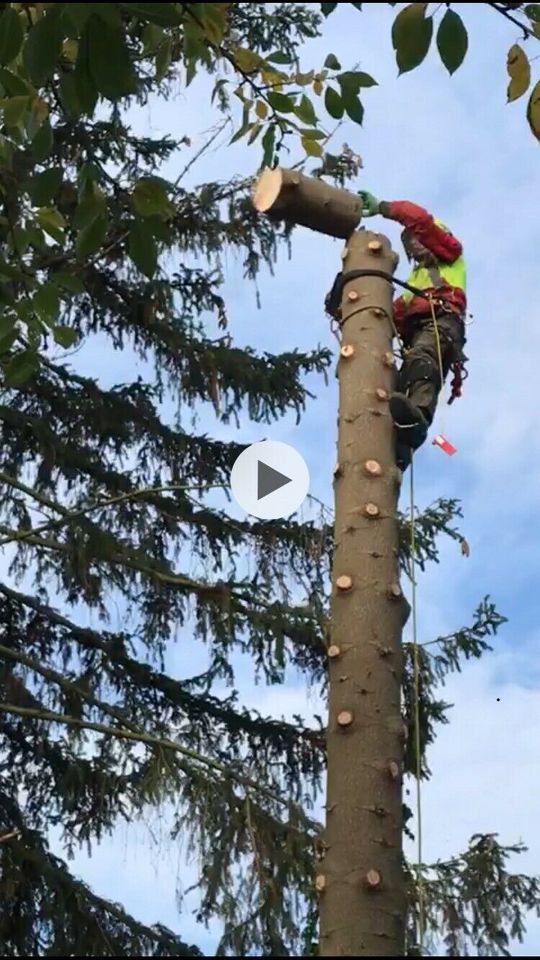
(439, 268)
(419, 380)
(370, 204)
(429, 322)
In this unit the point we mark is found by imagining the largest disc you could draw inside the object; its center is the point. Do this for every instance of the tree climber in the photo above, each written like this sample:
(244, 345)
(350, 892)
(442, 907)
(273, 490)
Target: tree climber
(431, 327)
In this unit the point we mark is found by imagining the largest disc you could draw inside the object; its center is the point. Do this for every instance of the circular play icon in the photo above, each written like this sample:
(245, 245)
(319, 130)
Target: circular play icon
(270, 480)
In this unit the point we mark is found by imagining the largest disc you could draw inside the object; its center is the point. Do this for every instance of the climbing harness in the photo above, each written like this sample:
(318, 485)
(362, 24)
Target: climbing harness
(333, 303)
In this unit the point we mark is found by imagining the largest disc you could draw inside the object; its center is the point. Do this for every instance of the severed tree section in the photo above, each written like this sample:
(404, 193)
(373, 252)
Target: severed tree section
(288, 195)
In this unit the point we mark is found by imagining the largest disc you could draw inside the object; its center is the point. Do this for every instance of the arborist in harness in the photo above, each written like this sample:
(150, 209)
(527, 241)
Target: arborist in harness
(430, 324)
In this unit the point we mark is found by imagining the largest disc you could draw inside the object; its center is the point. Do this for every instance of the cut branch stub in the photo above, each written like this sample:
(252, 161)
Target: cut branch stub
(388, 359)
(373, 468)
(381, 393)
(320, 883)
(395, 592)
(375, 246)
(373, 879)
(393, 770)
(345, 718)
(344, 582)
(347, 350)
(337, 470)
(333, 651)
(291, 196)
(353, 296)
(371, 510)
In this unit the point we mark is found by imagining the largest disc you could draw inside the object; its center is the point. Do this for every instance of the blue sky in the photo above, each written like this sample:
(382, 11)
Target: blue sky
(453, 145)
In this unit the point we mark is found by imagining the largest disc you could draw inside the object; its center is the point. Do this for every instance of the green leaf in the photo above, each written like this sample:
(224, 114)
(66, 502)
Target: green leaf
(280, 102)
(79, 14)
(313, 134)
(268, 143)
(278, 57)
(164, 14)
(333, 103)
(411, 36)
(519, 71)
(327, 8)
(43, 46)
(305, 111)
(8, 336)
(365, 80)
(15, 109)
(109, 63)
(312, 148)
(15, 86)
(92, 205)
(353, 107)
(46, 303)
(52, 222)
(70, 281)
(533, 111)
(452, 41)
(332, 62)
(163, 59)
(242, 132)
(91, 237)
(21, 367)
(11, 34)
(65, 336)
(353, 81)
(533, 12)
(78, 93)
(43, 187)
(142, 248)
(43, 142)
(150, 198)
(37, 238)
(256, 129)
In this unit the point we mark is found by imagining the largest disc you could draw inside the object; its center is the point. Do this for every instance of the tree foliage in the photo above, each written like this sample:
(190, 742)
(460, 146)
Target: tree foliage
(109, 501)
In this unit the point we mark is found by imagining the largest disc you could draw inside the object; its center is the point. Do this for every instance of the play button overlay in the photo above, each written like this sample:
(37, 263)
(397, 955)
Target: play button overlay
(270, 480)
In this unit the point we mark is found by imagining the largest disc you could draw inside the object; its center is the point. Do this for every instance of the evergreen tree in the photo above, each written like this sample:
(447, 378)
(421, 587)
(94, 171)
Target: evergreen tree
(104, 497)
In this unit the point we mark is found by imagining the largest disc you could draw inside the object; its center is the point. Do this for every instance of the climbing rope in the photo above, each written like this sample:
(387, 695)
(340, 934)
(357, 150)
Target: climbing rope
(417, 736)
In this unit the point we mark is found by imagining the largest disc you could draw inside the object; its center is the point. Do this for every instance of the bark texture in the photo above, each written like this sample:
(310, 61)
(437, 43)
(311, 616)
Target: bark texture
(290, 196)
(360, 879)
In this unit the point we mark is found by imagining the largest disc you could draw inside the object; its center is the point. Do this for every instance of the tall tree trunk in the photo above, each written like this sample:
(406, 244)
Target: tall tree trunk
(361, 880)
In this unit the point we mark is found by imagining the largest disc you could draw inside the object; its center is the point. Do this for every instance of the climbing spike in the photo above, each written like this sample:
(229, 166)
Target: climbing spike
(345, 718)
(344, 582)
